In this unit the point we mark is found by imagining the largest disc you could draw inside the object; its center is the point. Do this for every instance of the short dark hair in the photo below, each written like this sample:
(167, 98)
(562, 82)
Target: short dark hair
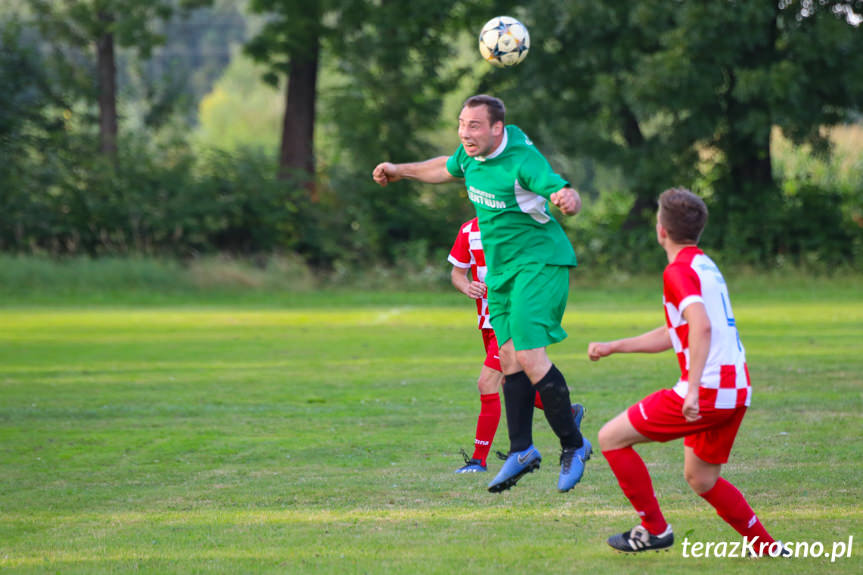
(495, 107)
(682, 214)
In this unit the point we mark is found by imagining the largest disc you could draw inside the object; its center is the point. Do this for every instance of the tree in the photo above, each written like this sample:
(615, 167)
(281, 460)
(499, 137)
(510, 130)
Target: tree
(394, 72)
(389, 76)
(26, 123)
(103, 24)
(794, 65)
(290, 44)
(682, 92)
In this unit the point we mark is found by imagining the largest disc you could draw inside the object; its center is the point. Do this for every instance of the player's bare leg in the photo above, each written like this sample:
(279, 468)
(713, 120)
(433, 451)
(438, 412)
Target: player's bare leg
(619, 433)
(700, 475)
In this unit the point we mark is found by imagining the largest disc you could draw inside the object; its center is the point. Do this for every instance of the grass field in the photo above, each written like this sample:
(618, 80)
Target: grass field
(318, 433)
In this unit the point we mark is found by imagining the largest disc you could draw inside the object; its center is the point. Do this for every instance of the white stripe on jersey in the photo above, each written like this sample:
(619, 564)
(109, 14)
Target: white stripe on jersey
(689, 301)
(531, 203)
(457, 263)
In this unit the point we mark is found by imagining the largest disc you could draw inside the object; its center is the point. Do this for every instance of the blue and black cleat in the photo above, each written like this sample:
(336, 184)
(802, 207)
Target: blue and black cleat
(517, 464)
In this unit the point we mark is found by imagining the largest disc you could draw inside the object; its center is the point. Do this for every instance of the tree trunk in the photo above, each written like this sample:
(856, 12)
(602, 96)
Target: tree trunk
(297, 159)
(645, 195)
(753, 205)
(107, 86)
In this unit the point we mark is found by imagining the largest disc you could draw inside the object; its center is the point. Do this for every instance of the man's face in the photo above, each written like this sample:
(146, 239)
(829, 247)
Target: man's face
(478, 136)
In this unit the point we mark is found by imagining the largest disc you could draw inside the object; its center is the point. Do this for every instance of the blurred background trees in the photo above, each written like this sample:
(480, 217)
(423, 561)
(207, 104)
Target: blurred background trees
(187, 127)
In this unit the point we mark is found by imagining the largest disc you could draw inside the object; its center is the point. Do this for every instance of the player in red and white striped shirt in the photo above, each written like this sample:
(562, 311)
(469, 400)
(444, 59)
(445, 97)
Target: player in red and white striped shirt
(708, 402)
(468, 276)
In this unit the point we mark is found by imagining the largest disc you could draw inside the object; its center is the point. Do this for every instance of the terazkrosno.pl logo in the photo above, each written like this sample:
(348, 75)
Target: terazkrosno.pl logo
(752, 548)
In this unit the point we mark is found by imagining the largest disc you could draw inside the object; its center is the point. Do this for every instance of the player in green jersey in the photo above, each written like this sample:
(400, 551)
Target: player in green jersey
(528, 256)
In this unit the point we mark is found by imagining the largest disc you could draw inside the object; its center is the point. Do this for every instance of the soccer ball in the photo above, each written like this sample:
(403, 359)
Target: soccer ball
(504, 41)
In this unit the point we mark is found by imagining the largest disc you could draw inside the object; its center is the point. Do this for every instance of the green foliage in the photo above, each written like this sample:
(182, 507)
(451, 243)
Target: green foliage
(72, 28)
(600, 89)
(813, 226)
(288, 32)
(152, 201)
(822, 203)
(80, 22)
(197, 47)
(240, 111)
(624, 100)
(601, 249)
(387, 98)
(386, 81)
(652, 90)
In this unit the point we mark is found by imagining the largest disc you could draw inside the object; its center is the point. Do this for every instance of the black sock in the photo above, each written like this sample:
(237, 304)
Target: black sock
(558, 409)
(518, 394)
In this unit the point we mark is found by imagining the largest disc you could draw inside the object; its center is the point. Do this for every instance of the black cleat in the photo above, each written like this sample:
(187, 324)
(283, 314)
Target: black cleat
(640, 539)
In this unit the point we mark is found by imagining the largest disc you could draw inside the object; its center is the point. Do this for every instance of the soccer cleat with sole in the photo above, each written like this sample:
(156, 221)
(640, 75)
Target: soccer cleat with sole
(516, 465)
(640, 539)
(572, 465)
(471, 465)
(572, 460)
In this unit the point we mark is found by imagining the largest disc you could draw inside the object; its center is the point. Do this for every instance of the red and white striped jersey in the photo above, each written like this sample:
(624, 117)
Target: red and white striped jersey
(466, 253)
(693, 277)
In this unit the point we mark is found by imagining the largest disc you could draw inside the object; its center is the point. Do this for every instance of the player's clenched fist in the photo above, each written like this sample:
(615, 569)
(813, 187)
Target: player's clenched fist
(476, 290)
(385, 173)
(597, 350)
(567, 200)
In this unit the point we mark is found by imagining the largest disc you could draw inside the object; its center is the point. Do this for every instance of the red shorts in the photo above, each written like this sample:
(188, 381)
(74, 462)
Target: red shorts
(659, 417)
(492, 359)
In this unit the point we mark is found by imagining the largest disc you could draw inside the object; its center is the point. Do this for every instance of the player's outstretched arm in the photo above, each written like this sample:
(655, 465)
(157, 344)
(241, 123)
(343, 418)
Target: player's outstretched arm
(568, 200)
(653, 341)
(431, 171)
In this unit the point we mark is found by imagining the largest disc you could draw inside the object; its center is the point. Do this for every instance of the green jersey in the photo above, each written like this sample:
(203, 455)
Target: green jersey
(510, 188)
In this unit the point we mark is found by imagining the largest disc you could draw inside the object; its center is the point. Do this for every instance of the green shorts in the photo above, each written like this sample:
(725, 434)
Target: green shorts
(527, 305)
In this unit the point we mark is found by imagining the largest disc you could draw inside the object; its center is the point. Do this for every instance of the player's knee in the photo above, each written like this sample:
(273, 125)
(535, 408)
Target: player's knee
(606, 438)
(487, 385)
(509, 363)
(534, 363)
(518, 358)
(699, 482)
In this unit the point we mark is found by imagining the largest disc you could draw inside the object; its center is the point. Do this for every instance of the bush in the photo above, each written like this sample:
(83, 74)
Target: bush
(603, 247)
(151, 202)
(813, 228)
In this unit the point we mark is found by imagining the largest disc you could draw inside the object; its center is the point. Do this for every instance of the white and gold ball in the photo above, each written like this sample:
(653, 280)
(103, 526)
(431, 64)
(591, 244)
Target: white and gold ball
(504, 41)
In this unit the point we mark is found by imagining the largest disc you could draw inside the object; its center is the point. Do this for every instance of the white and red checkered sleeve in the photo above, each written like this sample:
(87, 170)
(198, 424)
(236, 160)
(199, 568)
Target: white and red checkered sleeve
(682, 286)
(459, 255)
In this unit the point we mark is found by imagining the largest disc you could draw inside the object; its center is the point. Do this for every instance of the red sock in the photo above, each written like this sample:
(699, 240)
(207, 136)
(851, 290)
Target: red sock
(733, 508)
(537, 401)
(632, 475)
(486, 425)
